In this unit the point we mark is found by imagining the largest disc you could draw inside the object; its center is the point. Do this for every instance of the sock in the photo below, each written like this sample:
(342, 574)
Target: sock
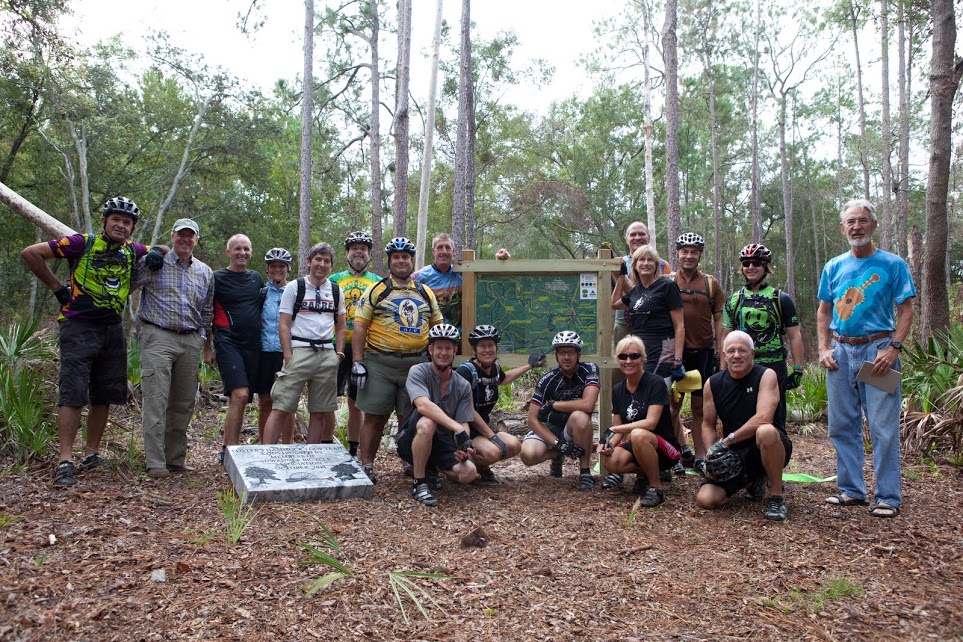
(419, 481)
(584, 471)
(352, 448)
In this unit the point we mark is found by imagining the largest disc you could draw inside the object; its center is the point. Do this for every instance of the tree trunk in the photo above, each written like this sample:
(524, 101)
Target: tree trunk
(863, 149)
(647, 83)
(429, 135)
(374, 133)
(402, 118)
(786, 199)
(670, 52)
(80, 145)
(470, 160)
(887, 134)
(902, 195)
(307, 111)
(754, 138)
(461, 137)
(32, 213)
(714, 138)
(29, 124)
(945, 71)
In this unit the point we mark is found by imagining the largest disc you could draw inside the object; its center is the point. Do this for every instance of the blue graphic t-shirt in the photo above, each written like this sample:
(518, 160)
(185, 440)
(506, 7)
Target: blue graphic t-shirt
(864, 292)
(447, 289)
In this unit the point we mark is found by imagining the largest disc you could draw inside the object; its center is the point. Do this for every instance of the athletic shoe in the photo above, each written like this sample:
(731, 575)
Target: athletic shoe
(486, 476)
(65, 474)
(665, 475)
(555, 469)
(678, 469)
(688, 457)
(421, 494)
(641, 485)
(612, 480)
(90, 461)
(433, 481)
(776, 508)
(757, 488)
(652, 497)
(699, 465)
(586, 482)
(368, 470)
(158, 473)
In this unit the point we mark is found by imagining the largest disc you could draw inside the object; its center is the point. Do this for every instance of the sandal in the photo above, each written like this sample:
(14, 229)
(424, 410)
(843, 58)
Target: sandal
(884, 510)
(842, 499)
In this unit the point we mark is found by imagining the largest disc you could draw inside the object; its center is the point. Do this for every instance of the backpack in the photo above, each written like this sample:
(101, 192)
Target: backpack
(777, 306)
(299, 299)
(707, 293)
(389, 286)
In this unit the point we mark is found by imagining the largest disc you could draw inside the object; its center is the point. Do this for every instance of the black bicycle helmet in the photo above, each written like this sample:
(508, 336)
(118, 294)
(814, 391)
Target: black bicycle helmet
(358, 237)
(122, 205)
(399, 244)
(483, 332)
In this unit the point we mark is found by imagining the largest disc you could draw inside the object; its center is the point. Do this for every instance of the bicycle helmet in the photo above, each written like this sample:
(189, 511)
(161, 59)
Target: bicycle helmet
(756, 251)
(358, 237)
(483, 332)
(690, 240)
(400, 244)
(444, 331)
(567, 339)
(122, 205)
(724, 465)
(278, 254)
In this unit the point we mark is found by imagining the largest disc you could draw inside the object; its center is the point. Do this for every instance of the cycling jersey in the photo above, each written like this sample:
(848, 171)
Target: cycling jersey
(353, 287)
(447, 289)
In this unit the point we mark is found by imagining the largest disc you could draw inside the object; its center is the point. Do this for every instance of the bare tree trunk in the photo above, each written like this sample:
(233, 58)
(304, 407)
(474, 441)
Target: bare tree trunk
(181, 169)
(461, 137)
(647, 80)
(71, 179)
(429, 135)
(786, 199)
(945, 72)
(863, 149)
(374, 131)
(470, 160)
(902, 195)
(307, 111)
(914, 257)
(714, 138)
(671, 54)
(402, 117)
(756, 179)
(887, 134)
(32, 213)
(80, 144)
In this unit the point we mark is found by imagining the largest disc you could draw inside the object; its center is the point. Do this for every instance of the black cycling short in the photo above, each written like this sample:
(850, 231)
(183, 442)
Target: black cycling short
(443, 446)
(701, 359)
(270, 364)
(344, 375)
(752, 460)
(93, 359)
(668, 455)
(237, 364)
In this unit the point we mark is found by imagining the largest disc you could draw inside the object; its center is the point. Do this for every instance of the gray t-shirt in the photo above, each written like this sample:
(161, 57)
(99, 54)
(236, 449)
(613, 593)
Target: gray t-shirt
(457, 404)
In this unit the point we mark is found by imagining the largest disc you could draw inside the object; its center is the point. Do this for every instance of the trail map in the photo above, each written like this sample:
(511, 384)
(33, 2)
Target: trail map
(529, 310)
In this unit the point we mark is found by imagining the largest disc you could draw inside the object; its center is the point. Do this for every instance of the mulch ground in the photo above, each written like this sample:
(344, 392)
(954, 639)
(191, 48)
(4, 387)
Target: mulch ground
(123, 557)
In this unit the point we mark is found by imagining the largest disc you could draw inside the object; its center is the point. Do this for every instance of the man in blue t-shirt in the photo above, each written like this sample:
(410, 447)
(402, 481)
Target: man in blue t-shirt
(444, 282)
(858, 292)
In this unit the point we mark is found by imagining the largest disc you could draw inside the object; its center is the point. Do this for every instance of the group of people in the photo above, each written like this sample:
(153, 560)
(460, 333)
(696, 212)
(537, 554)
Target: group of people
(389, 345)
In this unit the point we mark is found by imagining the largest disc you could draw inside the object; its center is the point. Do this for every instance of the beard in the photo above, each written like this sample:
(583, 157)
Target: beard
(860, 242)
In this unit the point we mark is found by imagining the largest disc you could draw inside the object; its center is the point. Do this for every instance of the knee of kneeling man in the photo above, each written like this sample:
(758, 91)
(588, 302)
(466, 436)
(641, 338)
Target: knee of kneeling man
(767, 434)
(426, 425)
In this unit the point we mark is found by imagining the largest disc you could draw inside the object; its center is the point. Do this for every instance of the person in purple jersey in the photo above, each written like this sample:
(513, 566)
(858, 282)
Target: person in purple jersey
(93, 348)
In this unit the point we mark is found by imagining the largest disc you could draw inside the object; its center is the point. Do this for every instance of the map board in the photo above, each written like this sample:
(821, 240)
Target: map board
(529, 309)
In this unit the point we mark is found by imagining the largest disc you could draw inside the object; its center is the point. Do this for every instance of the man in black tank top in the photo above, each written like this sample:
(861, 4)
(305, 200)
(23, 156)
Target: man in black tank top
(745, 398)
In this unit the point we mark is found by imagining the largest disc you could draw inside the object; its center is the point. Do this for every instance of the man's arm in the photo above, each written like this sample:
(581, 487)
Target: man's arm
(430, 410)
(536, 426)
(36, 257)
(824, 316)
(796, 345)
(481, 427)
(766, 403)
(284, 333)
(709, 434)
(717, 332)
(358, 339)
(678, 323)
(904, 320)
(340, 332)
(585, 403)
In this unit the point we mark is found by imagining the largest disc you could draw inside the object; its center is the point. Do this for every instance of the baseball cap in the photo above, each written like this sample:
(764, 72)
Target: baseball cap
(186, 224)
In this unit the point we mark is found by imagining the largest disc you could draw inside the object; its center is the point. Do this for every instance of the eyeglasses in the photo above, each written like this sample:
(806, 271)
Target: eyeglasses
(752, 263)
(735, 351)
(630, 356)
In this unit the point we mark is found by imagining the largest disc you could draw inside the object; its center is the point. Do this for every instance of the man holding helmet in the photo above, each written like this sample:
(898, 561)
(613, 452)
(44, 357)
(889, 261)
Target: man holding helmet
(390, 336)
(560, 412)
(93, 349)
(745, 398)
(436, 435)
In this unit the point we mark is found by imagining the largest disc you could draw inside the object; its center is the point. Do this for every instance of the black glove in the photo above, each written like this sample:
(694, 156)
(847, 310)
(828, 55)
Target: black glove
(154, 259)
(536, 360)
(359, 374)
(678, 373)
(623, 268)
(604, 439)
(568, 448)
(501, 445)
(63, 295)
(715, 363)
(463, 440)
(794, 380)
(545, 411)
(716, 449)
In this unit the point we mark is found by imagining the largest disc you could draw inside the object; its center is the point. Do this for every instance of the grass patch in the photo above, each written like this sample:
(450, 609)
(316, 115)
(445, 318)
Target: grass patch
(814, 601)
(237, 515)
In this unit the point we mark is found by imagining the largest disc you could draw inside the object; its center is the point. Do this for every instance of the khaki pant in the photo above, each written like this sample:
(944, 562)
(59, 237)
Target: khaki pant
(169, 364)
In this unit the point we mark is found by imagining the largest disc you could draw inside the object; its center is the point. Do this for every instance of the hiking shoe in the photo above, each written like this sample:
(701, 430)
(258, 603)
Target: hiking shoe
(223, 450)
(433, 481)
(699, 465)
(652, 497)
(555, 468)
(90, 461)
(688, 457)
(486, 476)
(776, 508)
(65, 474)
(612, 480)
(678, 469)
(586, 482)
(368, 470)
(757, 488)
(665, 475)
(421, 494)
(641, 485)
(158, 473)
(180, 469)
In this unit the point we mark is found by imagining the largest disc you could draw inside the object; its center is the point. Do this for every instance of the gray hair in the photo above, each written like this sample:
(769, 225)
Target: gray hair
(861, 203)
(739, 335)
(321, 248)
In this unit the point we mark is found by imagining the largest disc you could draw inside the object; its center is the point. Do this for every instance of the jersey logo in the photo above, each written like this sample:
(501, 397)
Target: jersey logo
(408, 317)
(489, 394)
(632, 412)
(749, 389)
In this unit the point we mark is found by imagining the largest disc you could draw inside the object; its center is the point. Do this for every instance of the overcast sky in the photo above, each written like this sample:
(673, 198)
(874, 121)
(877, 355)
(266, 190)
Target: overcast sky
(558, 31)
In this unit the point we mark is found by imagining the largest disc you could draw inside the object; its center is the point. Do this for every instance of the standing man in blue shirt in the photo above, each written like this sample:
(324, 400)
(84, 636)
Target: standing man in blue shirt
(441, 277)
(858, 292)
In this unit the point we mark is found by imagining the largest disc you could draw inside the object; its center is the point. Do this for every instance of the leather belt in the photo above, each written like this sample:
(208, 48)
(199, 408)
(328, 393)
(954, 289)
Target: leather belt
(181, 332)
(861, 340)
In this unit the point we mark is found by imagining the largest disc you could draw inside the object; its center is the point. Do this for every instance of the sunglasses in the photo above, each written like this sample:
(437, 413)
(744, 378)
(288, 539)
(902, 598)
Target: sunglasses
(630, 356)
(752, 263)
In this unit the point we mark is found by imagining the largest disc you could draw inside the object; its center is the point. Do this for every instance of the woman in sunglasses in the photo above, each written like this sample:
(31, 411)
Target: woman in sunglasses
(641, 439)
(657, 317)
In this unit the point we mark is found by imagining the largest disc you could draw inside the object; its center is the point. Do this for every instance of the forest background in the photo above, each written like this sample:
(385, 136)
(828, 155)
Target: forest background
(739, 121)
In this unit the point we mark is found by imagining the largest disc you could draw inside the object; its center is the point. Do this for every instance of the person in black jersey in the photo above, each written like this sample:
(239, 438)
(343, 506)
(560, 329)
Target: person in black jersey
(641, 439)
(745, 398)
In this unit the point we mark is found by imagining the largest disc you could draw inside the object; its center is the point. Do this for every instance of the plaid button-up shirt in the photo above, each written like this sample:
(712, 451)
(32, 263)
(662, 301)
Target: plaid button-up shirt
(179, 296)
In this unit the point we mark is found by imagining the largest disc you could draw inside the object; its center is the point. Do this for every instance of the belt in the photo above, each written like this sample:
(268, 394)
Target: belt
(400, 355)
(181, 332)
(861, 340)
(315, 344)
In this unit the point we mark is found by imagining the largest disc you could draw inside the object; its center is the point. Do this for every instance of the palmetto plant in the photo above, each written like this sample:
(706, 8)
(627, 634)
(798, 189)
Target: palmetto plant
(26, 430)
(933, 386)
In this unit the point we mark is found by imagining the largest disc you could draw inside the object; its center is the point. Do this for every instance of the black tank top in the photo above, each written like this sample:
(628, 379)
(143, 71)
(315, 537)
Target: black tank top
(736, 399)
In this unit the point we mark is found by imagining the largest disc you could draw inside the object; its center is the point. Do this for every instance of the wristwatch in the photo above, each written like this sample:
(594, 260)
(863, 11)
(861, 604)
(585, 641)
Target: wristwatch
(897, 345)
